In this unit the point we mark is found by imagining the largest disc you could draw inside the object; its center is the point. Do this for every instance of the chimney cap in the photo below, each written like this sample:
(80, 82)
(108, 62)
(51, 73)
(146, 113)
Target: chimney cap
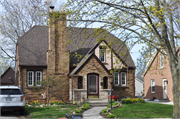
(52, 7)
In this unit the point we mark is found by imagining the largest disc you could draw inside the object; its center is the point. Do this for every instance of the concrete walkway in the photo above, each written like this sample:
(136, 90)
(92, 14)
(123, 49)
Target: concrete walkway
(168, 103)
(93, 113)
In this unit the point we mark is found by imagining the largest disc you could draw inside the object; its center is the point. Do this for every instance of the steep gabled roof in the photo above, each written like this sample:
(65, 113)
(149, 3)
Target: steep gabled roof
(8, 77)
(32, 46)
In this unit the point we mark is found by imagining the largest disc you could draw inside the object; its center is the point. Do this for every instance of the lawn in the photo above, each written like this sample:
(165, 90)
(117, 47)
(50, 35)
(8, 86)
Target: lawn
(51, 112)
(144, 110)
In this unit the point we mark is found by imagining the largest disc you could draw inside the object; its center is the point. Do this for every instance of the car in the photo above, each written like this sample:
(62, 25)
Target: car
(12, 99)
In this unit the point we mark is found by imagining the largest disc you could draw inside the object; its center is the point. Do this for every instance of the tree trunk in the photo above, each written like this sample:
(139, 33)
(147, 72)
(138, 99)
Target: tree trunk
(48, 99)
(176, 88)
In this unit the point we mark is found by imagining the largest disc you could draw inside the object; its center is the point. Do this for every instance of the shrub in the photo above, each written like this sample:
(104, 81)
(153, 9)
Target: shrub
(132, 100)
(110, 101)
(77, 111)
(51, 102)
(83, 108)
(108, 106)
(75, 102)
(57, 102)
(104, 110)
(86, 104)
(111, 116)
(114, 103)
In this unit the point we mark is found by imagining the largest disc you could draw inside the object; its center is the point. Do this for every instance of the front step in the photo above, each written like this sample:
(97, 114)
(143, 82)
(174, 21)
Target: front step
(97, 102)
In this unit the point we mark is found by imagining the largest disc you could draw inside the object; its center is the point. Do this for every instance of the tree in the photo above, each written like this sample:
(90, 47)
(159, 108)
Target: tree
(17, 17)
(151, 22)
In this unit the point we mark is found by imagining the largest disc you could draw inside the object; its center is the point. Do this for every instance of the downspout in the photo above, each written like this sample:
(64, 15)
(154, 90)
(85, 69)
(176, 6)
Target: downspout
(72, 87)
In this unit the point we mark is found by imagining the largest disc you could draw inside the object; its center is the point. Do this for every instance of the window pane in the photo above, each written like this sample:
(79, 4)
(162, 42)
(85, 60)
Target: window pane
(80, 82)
(153, 85)
(30, 78)
(116, 78)
(123, 78)
(102, 55)
(10, 92)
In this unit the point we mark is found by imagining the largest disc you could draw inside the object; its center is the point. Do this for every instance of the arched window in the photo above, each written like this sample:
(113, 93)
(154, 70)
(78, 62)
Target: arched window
(105, 83)
(80, 82)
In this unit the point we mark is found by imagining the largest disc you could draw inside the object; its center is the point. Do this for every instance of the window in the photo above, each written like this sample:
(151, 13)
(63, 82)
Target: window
(123, 78)
(105, 82)
(34, 78)
(30, 78)
(80, 82)
(38, 78)
(153, 86)
(161, 61)
(102, 55)
(116, 78)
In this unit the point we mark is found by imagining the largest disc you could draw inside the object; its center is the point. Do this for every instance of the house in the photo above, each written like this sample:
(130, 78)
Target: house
(8, 77)
(139, 85)
(43, 52)
(157, 78)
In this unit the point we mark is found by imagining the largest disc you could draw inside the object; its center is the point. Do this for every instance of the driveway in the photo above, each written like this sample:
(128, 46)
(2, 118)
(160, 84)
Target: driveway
(11, 115)
(168, 103)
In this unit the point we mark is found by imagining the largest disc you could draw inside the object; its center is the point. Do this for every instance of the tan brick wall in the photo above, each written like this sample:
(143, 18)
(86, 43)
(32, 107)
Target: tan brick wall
(158, 75)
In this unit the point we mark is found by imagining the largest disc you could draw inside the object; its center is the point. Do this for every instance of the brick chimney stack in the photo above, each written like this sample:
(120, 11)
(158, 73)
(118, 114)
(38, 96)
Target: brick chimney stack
(57, 56)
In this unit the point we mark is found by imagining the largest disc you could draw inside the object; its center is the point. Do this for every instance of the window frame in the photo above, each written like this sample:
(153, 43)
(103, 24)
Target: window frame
(40, 77)
(101, 49)
(161, 61)
(125, 79)
(152, 86)
(28, 78)
(118, 79)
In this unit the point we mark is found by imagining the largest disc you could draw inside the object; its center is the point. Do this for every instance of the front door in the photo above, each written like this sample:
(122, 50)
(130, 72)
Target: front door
(164, 89)
(92, 85)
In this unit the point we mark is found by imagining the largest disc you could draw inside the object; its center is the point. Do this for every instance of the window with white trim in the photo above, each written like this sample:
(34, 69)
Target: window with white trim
(123, 78)
(102, 55)
(161, 61)
(30, 78)
(38, 78)
(116, 78)
(153, 86)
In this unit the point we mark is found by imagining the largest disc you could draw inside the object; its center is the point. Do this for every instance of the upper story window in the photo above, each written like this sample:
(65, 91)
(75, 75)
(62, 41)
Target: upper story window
(102, 54)
(116, 78)
(38, 78)
(34, 78)
(123, 78)
(153, 86)
(161, 61)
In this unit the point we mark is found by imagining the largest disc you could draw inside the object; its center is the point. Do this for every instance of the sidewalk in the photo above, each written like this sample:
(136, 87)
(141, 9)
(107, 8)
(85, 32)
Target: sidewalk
(168, 103)
(93, 113)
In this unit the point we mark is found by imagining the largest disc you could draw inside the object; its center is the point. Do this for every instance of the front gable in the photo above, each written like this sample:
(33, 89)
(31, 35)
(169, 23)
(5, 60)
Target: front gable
(111, 59)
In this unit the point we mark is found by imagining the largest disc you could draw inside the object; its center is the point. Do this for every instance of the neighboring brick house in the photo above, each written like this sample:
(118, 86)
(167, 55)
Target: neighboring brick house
(8, 77)
(157, 78)
(39, 55)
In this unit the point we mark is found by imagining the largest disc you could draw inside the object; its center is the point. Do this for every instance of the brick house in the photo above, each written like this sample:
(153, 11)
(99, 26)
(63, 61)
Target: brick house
(42, 52)
(8, 77)
(157, 78)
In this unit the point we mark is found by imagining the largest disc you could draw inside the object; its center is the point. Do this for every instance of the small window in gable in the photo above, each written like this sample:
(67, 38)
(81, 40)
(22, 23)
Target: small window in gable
(80, 82)
(123, 78)
(161, 61)
(30, 78)
(38, 78)
(116, 78)
(102, 54)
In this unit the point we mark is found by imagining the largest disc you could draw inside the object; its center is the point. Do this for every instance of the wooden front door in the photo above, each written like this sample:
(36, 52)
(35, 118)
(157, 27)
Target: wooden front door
(93, 85)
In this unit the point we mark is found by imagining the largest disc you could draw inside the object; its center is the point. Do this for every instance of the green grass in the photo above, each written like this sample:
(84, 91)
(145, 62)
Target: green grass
(144, 110)
(51, 112)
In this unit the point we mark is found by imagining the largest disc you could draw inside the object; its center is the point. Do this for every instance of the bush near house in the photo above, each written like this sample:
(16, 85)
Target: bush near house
(132, 100)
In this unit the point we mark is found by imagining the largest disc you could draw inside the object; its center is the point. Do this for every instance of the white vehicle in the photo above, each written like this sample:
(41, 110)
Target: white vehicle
(12, 99)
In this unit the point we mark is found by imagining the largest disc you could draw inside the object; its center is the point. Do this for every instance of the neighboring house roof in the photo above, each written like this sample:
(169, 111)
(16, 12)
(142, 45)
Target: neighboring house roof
(32, 46)
(8, 77)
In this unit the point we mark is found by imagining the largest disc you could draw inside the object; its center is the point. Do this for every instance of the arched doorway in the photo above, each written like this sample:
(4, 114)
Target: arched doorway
(93, 85)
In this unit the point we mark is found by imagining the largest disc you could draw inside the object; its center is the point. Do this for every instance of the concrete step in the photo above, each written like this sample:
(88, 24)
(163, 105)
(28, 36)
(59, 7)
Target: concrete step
(98, 103)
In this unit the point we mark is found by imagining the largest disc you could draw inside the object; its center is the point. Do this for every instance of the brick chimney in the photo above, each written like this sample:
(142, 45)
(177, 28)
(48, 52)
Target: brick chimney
(57, 54)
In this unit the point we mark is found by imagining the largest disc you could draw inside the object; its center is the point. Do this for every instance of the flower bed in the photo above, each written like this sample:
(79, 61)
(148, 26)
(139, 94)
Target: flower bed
(132, 100)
